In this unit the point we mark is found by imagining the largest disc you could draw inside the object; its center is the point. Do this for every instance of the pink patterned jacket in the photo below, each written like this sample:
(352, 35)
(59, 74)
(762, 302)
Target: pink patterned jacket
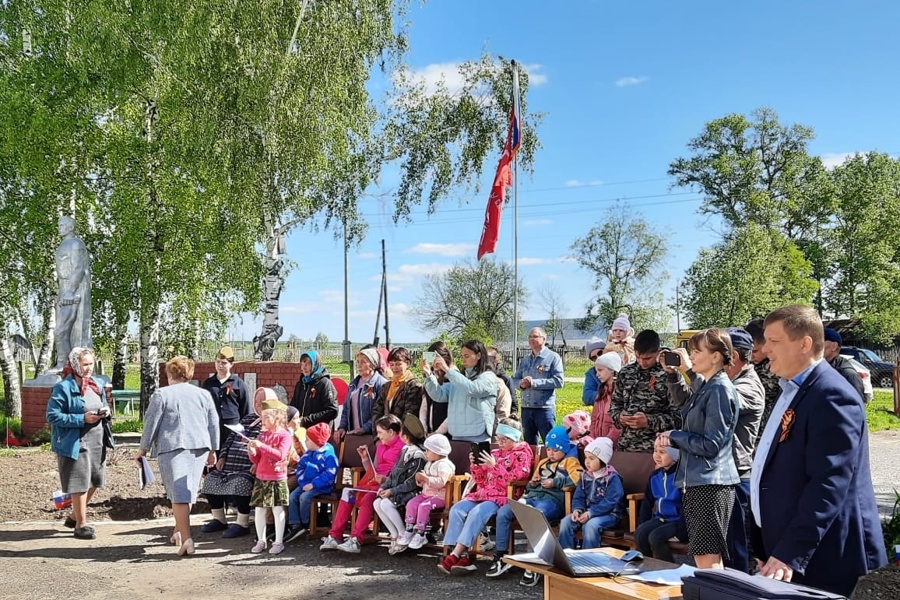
(491, 482)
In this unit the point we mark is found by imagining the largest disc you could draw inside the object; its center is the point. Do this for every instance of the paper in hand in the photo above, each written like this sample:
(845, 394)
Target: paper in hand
(238, 429)
(145, 473)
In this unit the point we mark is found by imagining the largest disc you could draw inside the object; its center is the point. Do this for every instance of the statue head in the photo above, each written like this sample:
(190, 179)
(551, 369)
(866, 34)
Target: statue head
(66, 225)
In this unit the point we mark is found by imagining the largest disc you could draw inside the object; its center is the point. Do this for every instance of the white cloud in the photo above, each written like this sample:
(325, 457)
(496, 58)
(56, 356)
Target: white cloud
(400, 309)
(424, 269)
(835, 159)
(406, 274)
(583, 183)
(301, 308)
(531, 260)
(366, 255)
(538, 222)
(443, 249)
(448, 72)
(627, 81)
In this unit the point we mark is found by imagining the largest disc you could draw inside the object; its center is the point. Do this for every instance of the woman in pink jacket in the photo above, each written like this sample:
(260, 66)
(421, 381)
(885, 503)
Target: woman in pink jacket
(607, 365)
(491, 473)
(387, 452)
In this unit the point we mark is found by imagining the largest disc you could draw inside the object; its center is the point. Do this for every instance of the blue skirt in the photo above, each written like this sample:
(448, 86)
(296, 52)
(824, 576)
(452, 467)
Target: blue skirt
(181, 471)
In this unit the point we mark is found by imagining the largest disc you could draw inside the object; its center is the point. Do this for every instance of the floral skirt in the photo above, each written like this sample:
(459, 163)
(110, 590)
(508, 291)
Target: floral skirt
(269, 493)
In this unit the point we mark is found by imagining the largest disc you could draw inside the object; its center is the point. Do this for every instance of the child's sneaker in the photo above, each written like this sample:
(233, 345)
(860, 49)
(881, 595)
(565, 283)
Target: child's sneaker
(259, 547)
(294, 532)
(329, 543)
(530, 579)
(276, 548)
(417, 541)
(351, 546)
(485, 543)
(463, 566)
(499, 567)
(405, 538)
(446, 565)
(396, 547)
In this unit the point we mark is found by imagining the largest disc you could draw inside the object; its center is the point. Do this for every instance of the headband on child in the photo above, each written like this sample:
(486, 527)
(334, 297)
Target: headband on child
(508, 431)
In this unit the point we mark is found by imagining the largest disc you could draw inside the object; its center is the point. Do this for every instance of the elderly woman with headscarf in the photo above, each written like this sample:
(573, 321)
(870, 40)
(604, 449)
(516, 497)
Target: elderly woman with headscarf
(314, 394)
(76, 412)
(232, 480)
(356, 418)
(182, 426)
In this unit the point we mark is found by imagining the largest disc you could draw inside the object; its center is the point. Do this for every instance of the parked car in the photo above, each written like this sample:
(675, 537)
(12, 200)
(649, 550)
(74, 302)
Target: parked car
(882, 371)
(864, 374)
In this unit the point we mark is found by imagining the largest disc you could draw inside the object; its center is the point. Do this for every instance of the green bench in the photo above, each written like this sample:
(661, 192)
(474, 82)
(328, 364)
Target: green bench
(125, 400)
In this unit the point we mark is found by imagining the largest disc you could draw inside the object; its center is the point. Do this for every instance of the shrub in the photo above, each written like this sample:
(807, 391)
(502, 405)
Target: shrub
(890, 527)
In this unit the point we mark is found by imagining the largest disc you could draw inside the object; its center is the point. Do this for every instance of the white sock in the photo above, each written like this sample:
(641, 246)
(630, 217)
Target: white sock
(219, 514)
(259, 516)
(280, 518)
(243, 519)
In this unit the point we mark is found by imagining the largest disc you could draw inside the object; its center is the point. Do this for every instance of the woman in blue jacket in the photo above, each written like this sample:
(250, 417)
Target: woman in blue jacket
(356, 416)
(471, 397)
(75, 411)
(706, 473)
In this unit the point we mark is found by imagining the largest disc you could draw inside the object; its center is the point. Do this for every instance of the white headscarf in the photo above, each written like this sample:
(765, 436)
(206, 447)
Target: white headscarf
(75, 359)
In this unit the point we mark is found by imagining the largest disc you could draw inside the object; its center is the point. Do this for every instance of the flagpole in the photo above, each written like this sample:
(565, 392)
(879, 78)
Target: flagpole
(515, 352)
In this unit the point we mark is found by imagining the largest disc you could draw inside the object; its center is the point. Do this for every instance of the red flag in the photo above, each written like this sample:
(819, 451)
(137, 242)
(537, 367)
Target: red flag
(491, 231)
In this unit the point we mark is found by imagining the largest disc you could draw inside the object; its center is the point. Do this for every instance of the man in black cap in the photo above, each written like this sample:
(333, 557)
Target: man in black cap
(842, 365)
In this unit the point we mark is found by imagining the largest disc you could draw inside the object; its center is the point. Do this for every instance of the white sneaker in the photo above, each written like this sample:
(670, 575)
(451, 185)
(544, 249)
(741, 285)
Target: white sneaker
(405, 538)
(351, 546)
(486, 543)
(417, 541)
(396, 547)
(329, 543)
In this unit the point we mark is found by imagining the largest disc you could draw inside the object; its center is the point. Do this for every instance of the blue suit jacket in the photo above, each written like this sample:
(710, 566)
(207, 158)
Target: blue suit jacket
(817, 505)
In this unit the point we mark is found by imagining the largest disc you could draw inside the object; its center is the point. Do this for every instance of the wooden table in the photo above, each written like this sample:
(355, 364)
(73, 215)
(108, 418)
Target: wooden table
(560, 586)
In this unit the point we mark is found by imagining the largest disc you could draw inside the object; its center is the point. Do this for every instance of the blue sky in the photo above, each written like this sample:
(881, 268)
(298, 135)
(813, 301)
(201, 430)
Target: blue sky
(624, 86)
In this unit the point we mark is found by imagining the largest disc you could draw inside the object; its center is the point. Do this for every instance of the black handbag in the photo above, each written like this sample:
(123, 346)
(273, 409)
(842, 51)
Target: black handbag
(728, 584)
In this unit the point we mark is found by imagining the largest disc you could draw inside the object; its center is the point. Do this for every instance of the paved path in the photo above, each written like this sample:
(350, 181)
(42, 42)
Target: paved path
(884, 457)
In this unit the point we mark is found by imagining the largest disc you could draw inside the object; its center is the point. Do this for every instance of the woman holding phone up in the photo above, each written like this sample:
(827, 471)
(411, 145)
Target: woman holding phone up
(470, 397)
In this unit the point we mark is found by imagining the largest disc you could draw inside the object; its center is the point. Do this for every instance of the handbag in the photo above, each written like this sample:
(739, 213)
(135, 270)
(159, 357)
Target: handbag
(729, 584)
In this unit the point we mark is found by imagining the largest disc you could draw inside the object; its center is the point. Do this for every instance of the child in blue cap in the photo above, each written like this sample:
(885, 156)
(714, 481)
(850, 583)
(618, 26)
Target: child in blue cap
(544, 492)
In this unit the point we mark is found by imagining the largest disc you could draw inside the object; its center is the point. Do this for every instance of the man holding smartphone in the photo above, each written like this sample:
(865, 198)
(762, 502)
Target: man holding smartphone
(537, 378)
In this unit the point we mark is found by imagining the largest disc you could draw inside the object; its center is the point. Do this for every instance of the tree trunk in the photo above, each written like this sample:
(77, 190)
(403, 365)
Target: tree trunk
(149, 329)
(46, 351)
(11, 386)
(121, 360)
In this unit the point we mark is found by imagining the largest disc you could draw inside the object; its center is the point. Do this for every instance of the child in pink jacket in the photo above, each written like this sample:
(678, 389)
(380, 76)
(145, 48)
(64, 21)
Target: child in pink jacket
(269, 454)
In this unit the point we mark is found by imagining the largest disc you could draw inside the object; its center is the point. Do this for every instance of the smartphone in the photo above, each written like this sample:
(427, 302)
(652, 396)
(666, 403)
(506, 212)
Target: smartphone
(478, 448)
(104, 411)
(670, 359)
(428, 357)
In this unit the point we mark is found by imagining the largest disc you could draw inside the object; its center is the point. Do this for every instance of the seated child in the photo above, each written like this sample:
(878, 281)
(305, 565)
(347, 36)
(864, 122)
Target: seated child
(316, 473)
(661, 515)
(544, 492)
(433, 480)
(599, 500)
(400, 485)
(578, 424)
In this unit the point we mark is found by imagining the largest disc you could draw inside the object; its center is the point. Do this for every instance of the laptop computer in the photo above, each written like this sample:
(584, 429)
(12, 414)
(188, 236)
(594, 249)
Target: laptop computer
(576, 563)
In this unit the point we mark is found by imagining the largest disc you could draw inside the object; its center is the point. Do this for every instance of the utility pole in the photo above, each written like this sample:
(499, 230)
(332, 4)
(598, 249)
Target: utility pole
(387, 327)
(347, 357)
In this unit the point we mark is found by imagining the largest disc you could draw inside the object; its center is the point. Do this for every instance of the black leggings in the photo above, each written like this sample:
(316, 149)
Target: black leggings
(242, 503)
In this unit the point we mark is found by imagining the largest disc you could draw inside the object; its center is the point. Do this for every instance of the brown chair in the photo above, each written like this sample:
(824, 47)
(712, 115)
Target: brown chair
(459, 456)
(348, 459)
(634, 468)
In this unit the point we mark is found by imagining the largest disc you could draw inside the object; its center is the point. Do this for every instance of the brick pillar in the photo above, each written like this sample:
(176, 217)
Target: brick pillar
(34, 408)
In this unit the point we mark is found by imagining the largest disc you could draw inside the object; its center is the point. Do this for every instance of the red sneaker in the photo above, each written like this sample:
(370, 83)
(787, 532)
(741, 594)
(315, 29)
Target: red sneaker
(448, 563)
(463, 566)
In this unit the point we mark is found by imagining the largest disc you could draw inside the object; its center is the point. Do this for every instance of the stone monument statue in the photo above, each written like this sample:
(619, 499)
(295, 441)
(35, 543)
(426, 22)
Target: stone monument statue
(73, 308)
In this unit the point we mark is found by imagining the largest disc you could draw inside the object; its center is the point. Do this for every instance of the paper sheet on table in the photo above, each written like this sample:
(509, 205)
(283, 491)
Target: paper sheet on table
(529, 557)
(665, 576)
(145, 473)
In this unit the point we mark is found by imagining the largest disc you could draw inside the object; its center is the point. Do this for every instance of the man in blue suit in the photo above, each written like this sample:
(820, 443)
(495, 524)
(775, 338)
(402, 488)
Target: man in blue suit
(814, 511)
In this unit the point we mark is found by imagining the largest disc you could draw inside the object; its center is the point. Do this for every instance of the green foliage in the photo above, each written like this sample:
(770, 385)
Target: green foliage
(880, 412)
(470, 300)
(749, 274)
(41, 437)
(626, 255)
(865, 272)
(890, 527)
(129, 426)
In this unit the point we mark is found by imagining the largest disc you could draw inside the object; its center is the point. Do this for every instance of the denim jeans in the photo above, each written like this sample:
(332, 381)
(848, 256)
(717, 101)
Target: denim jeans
(738, 550)
(299, 505)
(537, 422)
(551, 509)
(590, 531)
(467, 519)
(652, 537)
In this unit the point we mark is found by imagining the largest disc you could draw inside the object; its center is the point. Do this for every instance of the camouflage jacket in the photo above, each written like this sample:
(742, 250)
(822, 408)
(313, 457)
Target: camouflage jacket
(639, 390)
(770, 385)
